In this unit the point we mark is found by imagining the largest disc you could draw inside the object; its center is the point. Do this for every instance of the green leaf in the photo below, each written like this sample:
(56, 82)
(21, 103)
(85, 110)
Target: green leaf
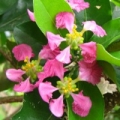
(110, 71)
(97, 102)
(5, 5)
(112, 29)
(3, 39)
(24, 34)
(116, 54)
(102, 54)
(34, 108)
(45, 12)
(16, 15)
(116, 2)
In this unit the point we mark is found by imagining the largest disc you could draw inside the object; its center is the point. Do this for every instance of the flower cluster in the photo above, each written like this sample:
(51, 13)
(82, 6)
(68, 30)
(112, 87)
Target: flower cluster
(60, 60)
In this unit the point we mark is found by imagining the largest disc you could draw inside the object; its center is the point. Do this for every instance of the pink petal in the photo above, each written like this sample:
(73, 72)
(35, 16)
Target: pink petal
(88, 51)
(56, 106)
(78, 5)
(46, 90)
(64, 56)
(96, 29)
(54, 40)
(31, 15)
(65, 20)
(24, 86)
(22, 51)
(54, 68)
(90, 72)
(81, 105)
(15, 75)
(47, 53)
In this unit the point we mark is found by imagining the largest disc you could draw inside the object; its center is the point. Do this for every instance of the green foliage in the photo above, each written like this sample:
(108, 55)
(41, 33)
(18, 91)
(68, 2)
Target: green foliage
(97, 102)
(116, 2)
(46, 19)
(34, 108)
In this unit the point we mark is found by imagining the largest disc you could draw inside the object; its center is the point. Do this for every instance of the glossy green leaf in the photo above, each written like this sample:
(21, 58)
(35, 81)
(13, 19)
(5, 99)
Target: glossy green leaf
(97, 102)
(24, 34)
(102, 54)
(116, 2)
(116, 54)
(45, 12)
(5, 5)
(16, 15)
(99, 11)
(112, 29)
(34, 108)
(109, 70)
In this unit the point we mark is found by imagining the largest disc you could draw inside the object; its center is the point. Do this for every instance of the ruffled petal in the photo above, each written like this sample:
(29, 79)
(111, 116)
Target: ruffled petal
(65, 20)
(56, 106)
(64, 56)
(81, 105)
(15, 74)
(31, 15)
(24, 86)
(22, 51)
(46, 90)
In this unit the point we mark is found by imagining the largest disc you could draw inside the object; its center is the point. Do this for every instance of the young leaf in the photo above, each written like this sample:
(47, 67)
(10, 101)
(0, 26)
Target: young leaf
(97, 102)
(45, 12)
(102, 54)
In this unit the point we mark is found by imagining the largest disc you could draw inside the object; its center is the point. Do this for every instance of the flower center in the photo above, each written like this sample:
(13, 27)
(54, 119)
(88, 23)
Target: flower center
(74, 38)
(67, 85)
(31, 68)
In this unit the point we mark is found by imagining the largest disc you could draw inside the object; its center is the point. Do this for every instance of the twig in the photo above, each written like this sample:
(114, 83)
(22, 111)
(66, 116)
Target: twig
(11, 99)
(7, 57)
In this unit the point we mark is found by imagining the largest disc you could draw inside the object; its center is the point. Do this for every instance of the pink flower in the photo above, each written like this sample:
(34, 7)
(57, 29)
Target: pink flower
(81, 105)
(47, 53)
(31, 15)
(90, 72)
(24, 86)
(88, 51)
(64, 55)
(56, 106)
(22, 51)
(54, 68)
(15, 75)
(46, 90)
(96, 29)
(65, 20)
(54, 40)
(78, 5)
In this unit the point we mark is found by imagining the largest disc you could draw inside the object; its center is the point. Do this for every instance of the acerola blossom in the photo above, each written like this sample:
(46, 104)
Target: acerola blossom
(65, 20)
(90, 72)
(96, 29)
(64, 56)
(24, 86)
(22, 51)
(15, 75)
(47, 53)
(88, 51)
(78, 5)
(54, 68)
(54, 40)
(31, 15)
(81, 104)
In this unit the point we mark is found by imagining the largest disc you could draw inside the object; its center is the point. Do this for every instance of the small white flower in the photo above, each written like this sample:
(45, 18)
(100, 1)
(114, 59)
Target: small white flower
(105, 87)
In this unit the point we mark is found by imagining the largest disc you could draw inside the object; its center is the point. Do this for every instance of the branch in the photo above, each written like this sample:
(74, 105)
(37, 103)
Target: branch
(11, 99)
(7, 57)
